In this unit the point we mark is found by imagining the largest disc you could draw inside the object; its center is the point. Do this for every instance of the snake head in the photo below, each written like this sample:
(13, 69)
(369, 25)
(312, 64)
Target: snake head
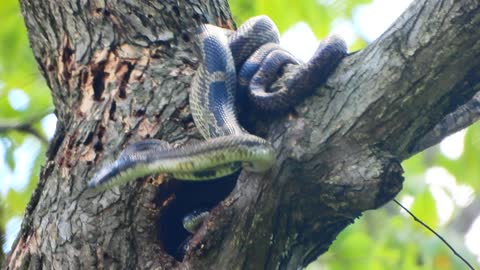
(133, 162)
(116, 173)
(194, 220)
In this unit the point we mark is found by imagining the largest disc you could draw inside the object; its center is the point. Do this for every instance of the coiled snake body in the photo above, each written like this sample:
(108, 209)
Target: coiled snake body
(251, 53)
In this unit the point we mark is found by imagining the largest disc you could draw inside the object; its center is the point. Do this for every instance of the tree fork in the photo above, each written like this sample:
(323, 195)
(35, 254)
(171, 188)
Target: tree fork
(120, 72)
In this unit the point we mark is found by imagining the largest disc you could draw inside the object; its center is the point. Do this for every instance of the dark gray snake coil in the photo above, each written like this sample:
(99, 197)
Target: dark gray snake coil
(254, 52)
(235, 65)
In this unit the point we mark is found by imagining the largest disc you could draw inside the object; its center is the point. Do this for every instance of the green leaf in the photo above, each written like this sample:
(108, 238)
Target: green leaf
(414, 166)
(410, 255)
(9, 157)
(425, 208)
(466, 169)
(317, 14)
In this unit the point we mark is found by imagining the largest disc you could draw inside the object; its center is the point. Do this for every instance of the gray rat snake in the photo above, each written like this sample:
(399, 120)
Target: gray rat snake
(235, 65)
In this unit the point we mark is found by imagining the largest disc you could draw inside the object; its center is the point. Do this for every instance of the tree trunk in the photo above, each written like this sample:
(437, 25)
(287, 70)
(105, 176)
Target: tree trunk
(120, 72)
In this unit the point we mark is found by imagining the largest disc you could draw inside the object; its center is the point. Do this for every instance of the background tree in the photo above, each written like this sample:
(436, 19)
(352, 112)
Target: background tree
(119, 68)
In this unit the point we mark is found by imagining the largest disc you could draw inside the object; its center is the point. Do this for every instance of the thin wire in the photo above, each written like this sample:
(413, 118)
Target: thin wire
(438, 235)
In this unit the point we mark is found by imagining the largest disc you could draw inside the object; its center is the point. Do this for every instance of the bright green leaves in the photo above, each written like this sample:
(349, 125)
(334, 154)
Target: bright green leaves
(466, 169)
(424, 206)
(24, 98)
(19, 74)
(9, 150)
(318, 14)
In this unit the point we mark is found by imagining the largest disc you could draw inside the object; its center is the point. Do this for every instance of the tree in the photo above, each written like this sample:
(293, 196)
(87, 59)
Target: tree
(120, 73)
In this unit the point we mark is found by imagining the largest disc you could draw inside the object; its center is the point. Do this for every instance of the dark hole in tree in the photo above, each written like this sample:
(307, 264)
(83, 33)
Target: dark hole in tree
(111, 113)
(122, 89)
(176, 11)
(139, 113)
(98, 146)
(189, 196)
(99, 82)
(89, 138)
(186, 37)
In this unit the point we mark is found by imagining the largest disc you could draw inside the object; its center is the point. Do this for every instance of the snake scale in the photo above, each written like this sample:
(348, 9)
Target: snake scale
(235, 65)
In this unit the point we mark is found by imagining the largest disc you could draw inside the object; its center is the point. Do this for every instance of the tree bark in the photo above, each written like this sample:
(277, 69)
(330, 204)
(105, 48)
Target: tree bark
(120, 72)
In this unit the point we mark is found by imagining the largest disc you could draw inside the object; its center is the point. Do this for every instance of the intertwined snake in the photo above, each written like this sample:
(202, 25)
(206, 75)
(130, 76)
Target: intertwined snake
(235, 65)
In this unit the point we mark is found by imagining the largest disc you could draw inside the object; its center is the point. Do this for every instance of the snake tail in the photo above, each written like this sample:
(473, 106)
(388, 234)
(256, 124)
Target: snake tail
(306, 79)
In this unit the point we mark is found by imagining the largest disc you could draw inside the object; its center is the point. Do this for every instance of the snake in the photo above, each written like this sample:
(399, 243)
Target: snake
(235, 67)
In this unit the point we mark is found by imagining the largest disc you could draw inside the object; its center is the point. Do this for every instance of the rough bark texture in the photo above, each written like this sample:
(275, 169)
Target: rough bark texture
(120, 71)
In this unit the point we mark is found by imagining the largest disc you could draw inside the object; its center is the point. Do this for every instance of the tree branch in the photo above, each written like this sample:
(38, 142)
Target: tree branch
(339, 154)
(465, 217)
(26, 126)
(417, 75)
(461, 118)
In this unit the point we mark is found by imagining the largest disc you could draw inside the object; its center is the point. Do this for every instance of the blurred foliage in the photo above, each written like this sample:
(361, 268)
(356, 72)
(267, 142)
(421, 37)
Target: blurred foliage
(381, 239)
(24, 98)
(320, 15)
(284, 13)
(2, 234)
(467, 166)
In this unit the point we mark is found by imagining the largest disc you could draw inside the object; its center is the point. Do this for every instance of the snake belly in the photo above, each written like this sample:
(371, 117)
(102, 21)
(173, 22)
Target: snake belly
(228, 147)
